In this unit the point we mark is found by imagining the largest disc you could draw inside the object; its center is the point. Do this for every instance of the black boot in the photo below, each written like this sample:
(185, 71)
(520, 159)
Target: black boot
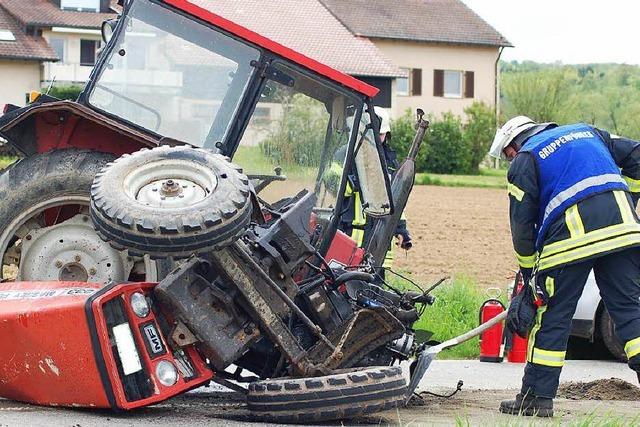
(528, 406)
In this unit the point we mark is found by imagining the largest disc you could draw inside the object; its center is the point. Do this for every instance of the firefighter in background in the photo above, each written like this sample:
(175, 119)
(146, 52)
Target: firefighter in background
(353, 220)
(573, 191)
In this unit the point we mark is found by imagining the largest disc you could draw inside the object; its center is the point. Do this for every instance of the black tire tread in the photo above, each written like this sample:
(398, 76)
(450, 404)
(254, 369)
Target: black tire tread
(333, 397)
(221, 220)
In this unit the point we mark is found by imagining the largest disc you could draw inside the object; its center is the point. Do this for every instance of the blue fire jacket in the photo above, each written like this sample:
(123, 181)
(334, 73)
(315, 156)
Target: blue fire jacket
(572, 196)
(573, 164)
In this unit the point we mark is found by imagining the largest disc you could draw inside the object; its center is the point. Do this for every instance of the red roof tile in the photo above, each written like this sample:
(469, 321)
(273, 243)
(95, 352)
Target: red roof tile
(24, 47)
(46, 14)
(439, 21)
(308, 27)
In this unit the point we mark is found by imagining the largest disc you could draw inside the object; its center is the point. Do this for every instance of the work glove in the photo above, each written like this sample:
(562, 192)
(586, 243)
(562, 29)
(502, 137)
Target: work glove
(521, 315)
(404, 241)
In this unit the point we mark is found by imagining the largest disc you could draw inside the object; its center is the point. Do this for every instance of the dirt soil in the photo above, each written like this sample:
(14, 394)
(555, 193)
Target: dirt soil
(459, 231)
(611, 389)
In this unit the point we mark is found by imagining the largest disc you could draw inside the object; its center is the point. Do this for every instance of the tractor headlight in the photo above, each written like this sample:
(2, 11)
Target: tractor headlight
(167, 373)
(140, 305)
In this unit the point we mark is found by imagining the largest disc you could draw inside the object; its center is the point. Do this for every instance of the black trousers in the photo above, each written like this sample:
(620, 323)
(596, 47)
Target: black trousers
(618, 278)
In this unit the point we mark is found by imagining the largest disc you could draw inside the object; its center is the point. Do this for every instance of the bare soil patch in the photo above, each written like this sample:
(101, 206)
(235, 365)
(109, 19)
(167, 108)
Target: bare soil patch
(459, 231)
(611, 389)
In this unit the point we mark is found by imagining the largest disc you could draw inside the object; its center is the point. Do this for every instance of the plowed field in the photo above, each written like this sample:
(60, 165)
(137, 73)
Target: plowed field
(459, 231)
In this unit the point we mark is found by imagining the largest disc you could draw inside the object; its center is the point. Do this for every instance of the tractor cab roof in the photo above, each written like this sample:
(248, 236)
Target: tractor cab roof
(274, 47)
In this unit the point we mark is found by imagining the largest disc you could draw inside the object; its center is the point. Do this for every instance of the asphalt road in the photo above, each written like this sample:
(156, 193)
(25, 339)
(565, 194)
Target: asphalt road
(485, 385)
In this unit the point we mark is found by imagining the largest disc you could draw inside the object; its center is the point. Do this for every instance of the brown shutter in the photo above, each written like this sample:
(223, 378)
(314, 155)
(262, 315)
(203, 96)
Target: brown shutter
(468, 84)
(438, 82)
(416, 81)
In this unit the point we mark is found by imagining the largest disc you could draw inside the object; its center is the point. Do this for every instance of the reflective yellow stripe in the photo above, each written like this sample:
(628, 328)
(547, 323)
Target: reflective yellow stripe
(527, 261)
(578, 187)
(586, 251)
(358, 215)
(625, 208)
(550, 284)
(358, 236)
(574, 222)
(632, 348)
(348, 191)
(588, 238)
(515, 192)
(388, 259)
(359, 220)
(548, 357)
(634, 184)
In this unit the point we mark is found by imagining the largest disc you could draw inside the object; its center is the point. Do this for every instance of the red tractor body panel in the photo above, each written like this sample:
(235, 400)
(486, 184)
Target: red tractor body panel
(66, 124)
(59, 347)
(345, 251)
(46, 353)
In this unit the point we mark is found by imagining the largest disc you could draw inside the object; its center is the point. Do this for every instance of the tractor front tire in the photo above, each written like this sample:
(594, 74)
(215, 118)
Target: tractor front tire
(171, 202)
(344, 395)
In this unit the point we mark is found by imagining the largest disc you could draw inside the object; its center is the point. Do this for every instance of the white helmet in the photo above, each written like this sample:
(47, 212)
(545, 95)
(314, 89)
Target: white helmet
(507, 133)
(385, 121)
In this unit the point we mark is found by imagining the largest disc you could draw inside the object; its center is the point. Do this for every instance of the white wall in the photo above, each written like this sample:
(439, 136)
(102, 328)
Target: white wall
(429, 57)
(17, 78)
(68, 69)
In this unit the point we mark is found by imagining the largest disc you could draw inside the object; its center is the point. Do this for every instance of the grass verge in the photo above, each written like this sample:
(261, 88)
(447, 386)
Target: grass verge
(488, 178)
(455, 312)
(6, 161)
(592, 419)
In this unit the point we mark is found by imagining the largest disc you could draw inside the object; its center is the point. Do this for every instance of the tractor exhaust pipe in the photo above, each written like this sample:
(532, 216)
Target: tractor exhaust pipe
(400, 190)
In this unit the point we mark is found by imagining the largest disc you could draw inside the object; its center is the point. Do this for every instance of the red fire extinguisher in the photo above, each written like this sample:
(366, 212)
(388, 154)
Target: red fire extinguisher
(516, 346)
(491, 348)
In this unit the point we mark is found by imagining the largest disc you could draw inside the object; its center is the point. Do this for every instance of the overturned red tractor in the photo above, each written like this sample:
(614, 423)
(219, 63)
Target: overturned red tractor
(139, 262)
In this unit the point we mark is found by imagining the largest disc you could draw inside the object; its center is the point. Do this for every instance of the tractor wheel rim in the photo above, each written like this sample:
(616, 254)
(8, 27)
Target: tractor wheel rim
(170, 184)
(25, 224)
(71, 251)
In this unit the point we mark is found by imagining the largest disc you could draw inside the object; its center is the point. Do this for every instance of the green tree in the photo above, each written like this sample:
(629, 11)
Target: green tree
(298, 137)
(446, 150)
(402, 133)
(478, 133)
(68, 92)
(540, 95)
(604, 95)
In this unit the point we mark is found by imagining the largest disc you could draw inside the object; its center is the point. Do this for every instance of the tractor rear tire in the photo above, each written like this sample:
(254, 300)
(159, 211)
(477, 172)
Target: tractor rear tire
(58, 179)
(43, 181)
(171, 202)
(609, 337)
(333, 397)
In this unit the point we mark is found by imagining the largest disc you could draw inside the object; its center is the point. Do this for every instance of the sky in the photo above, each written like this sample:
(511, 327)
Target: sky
(570, 31)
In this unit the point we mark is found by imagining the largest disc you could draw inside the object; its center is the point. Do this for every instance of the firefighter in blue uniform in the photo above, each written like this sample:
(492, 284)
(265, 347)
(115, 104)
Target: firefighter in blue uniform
(573, 191)
(353, 220)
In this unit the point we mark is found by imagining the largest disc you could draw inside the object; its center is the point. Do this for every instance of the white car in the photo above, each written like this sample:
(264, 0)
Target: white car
(592, 321)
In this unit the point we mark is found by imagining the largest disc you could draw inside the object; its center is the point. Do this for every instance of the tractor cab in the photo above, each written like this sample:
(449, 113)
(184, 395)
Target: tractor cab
(291, 123)
(175, 73)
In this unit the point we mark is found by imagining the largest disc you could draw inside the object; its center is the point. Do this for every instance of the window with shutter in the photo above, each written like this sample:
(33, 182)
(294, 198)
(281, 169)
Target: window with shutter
(402, 83)
(416, 81)
(469, 84)
(453, 84)
(438, 82)
(88, 49)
